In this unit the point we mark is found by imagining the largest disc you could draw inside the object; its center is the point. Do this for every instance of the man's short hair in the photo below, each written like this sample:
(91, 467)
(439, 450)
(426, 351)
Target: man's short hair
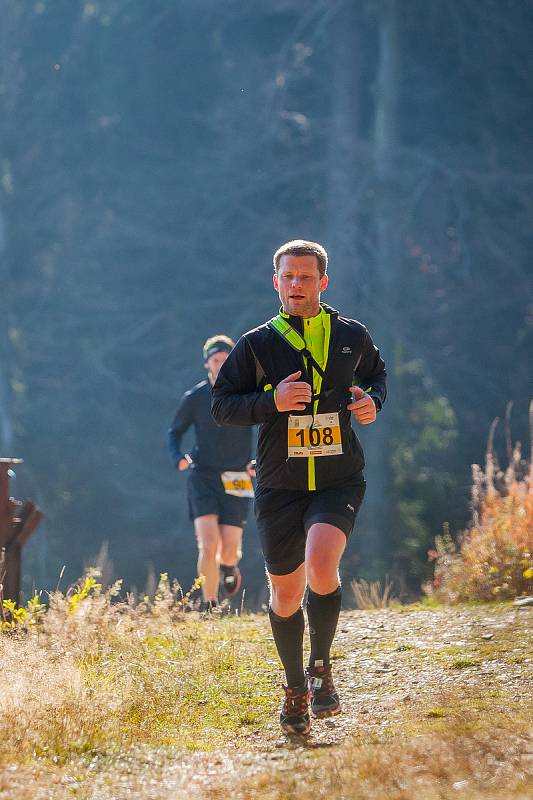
(217, 344)
(301, 247)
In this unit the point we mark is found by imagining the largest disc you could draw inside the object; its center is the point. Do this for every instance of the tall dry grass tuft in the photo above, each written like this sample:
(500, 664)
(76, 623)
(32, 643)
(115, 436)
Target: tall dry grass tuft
(371, 594)
(493, 559)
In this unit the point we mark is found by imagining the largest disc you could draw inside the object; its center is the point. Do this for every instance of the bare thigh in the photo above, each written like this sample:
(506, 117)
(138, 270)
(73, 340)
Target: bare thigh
(207, 533)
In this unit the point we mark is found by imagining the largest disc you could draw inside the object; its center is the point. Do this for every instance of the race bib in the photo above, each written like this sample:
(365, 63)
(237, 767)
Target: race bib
(239, 484)
(322, 439)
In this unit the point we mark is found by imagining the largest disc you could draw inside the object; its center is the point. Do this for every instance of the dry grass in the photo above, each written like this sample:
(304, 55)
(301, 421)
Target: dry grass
(96, 673)
(371, 594)
(110, 700)
(472, 766)
(494, 557)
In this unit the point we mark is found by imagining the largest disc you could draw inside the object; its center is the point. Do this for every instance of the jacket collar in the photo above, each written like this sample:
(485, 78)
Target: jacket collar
(296, 322)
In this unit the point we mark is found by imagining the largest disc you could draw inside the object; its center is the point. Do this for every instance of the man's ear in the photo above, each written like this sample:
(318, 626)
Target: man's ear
(324, 280)
(275, 281)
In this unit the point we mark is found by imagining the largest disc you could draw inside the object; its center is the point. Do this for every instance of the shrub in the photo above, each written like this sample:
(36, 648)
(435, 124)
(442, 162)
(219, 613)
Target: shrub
(493, 558)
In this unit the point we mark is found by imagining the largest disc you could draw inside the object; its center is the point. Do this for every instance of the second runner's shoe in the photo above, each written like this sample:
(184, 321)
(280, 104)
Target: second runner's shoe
(232, 582)
(324, 698)
(294, 717)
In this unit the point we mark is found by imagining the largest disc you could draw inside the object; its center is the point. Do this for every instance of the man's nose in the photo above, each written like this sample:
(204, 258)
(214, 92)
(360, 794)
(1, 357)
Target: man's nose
(296, 281)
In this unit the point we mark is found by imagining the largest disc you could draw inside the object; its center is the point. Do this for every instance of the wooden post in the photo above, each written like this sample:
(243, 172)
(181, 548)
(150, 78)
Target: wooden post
(18, 520)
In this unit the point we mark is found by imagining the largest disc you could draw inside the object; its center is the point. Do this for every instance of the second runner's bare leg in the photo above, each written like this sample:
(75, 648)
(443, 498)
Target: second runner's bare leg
(230, 555)
(208, 538)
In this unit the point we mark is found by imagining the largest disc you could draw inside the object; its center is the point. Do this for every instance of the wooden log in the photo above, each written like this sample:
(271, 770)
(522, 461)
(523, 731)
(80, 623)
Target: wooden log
(11, 581)
(29, 519)
(18, 520)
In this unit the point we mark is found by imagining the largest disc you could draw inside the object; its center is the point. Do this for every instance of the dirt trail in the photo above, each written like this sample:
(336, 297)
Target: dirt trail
(395, 671)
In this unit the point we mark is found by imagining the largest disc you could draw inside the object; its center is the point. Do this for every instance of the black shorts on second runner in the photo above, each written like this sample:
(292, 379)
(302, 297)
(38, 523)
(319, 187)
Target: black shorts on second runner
(284, 517)
(206, 495)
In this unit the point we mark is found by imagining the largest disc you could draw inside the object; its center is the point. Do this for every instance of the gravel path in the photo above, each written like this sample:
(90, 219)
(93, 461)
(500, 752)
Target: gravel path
(393, 669)
(389, 662)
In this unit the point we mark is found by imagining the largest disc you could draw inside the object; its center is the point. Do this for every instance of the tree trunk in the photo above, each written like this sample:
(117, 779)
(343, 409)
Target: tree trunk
(6, 424)
(377, 508)
(342, 172)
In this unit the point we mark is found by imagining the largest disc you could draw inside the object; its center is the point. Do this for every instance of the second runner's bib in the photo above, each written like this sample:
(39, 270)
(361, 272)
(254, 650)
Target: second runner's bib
(238, 484)
(323, 439)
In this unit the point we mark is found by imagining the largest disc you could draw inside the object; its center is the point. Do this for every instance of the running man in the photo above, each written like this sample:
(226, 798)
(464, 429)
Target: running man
(303, 376)
(219, 479)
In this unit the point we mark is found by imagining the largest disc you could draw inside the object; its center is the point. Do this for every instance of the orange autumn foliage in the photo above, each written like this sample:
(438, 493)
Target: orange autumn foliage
(493, 558)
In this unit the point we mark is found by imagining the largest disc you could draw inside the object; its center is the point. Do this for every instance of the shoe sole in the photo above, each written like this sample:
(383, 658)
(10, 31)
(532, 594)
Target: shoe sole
(292, 733)
(327, 712)
(236, 588)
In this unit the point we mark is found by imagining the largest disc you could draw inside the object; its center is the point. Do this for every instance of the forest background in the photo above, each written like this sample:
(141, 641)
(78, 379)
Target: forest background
(154, 155)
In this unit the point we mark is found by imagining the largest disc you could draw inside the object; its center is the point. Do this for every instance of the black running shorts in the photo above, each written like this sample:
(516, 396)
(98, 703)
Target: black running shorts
(284, 517)
(206, 495)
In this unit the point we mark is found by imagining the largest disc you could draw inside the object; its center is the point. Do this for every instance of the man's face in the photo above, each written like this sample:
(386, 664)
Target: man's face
(214, 363)
(299, 284)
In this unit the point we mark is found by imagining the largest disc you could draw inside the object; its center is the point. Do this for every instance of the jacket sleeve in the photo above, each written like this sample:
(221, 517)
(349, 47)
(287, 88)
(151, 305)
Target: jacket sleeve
(371, 374)
(182, 421)
(237, 397)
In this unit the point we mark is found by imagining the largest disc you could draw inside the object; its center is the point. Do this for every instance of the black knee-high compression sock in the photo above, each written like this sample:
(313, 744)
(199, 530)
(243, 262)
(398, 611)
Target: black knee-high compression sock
(323, 615)
(288, 636)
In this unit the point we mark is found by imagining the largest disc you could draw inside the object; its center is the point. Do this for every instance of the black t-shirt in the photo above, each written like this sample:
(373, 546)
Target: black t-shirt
(217, 447)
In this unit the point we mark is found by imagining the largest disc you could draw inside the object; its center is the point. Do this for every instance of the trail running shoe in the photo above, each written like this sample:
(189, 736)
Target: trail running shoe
(324, 698)
(207, 606)
(232, 582)
(294, 717)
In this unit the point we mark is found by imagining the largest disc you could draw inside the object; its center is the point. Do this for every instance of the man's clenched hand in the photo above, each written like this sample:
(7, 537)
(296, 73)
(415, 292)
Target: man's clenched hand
(362, 406)
(292, 394)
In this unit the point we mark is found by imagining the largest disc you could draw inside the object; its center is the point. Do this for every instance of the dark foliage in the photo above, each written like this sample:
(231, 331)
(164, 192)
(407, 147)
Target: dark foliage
(153, 156)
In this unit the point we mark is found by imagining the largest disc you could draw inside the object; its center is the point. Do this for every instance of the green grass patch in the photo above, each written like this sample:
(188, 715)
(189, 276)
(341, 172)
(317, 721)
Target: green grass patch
(464, 663)
(199, 684)
(436, 713)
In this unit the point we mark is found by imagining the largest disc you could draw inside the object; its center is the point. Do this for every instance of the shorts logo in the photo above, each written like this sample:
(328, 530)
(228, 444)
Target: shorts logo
(346, 350)
(350, 507)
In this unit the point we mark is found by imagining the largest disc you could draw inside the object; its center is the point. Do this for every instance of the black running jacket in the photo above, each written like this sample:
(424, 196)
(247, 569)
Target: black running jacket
(244, 395)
